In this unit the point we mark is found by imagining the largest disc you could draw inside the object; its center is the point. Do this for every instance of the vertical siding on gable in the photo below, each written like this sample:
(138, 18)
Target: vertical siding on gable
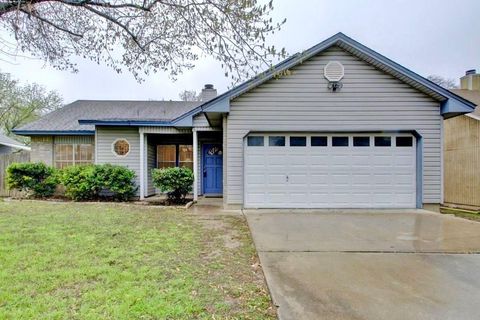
(105, 138)
(200, 121)
(370, 100)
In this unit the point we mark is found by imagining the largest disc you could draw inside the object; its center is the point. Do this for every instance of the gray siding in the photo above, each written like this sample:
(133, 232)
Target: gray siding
(6, 149)
(42, 149)
(370, 100)
(105, 138)
(200, 121)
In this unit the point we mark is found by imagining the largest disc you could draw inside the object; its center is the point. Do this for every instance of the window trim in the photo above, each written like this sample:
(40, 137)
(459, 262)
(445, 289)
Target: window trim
(177, 154)
(74, 161)
(123, 155)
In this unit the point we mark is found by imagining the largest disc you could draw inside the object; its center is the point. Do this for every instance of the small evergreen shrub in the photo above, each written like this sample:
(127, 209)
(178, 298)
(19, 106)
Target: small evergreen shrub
(92, 181)
(36, 179)
(176, 182)
(80, 182)
(119, 181)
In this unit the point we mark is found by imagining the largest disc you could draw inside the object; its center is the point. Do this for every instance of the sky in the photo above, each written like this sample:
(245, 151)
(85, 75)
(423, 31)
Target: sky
(438, 37)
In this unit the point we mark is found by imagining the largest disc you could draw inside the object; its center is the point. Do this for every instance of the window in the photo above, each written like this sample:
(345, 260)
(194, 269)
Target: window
(383, 141)
(121, 147)
(73, 154)
(166, 156)
(404, 141)
(298, 141)
(340, 141)
(174, 155)
(185, 156)
(255, 141)
(361, 141)
(319, 141)
(276, 141)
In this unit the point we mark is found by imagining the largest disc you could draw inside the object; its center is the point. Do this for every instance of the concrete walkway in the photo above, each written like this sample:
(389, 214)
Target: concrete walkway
(369, 265)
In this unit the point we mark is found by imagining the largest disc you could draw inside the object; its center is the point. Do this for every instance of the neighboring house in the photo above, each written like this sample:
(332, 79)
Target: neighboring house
(336, 126)
(462, 149)
(8, 145)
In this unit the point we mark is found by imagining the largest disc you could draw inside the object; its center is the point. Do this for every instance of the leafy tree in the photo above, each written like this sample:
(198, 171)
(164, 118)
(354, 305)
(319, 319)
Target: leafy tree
(20, 104)
(190, 95)
(443, 82)
(145, 36)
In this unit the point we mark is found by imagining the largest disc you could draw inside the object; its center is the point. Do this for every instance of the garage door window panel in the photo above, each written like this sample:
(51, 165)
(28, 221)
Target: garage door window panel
(298, 141)
(255, 141)
(361, 141)
(276, 141)
(317, 141)
(383, 141)
(404, 141)
(340, 141)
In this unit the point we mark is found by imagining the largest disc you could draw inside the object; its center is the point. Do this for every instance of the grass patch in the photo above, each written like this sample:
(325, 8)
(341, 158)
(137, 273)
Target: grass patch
(466, 214)
(110, 261)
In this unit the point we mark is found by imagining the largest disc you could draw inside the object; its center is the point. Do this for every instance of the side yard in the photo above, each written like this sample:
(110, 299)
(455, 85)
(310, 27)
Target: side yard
(116, 261)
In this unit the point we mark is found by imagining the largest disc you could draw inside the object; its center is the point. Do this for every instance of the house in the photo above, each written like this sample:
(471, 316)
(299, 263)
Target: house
(335, 126)
(462, 149)
(8, 145)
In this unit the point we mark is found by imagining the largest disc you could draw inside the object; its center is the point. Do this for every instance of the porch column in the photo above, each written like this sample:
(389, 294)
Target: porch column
(195, 165)
(142, 164)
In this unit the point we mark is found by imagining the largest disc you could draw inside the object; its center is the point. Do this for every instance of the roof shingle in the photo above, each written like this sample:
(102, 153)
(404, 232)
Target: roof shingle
(66, 118)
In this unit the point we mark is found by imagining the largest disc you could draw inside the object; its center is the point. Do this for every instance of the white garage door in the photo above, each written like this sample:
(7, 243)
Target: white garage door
(330, 171)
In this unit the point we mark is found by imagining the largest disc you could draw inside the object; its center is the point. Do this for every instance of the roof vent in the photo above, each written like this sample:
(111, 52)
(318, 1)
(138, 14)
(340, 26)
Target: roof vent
(471, 71)
(333, 71)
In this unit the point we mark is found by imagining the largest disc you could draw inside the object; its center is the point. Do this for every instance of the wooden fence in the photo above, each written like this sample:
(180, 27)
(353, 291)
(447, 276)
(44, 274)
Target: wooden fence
(5, 161)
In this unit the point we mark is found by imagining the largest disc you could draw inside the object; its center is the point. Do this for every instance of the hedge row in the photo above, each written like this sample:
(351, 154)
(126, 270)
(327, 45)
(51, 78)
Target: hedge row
(81, 182)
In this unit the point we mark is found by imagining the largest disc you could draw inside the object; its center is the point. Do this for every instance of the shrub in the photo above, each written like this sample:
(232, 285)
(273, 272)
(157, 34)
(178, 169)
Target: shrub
(117, 180)
(37, 179)
(90, 182)
(80, 182)
(176, 182)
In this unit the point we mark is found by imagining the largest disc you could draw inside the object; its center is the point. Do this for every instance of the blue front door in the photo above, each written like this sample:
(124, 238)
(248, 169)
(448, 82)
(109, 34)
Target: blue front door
(212, 169)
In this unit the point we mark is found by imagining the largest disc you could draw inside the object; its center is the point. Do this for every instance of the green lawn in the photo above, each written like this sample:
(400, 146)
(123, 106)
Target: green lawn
(113, 261)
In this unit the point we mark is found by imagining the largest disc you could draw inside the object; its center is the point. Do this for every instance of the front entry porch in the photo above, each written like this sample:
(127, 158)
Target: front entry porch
(199, 150)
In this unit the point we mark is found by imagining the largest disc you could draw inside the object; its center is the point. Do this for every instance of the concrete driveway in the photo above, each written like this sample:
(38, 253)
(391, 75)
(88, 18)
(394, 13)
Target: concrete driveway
(369, 265)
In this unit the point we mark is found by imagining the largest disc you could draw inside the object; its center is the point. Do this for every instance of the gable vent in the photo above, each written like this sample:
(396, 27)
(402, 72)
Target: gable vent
(333, 71)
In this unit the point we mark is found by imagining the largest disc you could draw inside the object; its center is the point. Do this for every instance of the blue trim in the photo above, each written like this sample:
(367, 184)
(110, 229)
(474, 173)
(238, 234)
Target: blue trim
(54, 132)
(128, 123)
(461, 104)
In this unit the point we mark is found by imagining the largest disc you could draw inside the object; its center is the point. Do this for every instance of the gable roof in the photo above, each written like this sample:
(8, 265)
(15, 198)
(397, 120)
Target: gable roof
(452, 104)
(471, 95)
(9, 142)
(66, 120)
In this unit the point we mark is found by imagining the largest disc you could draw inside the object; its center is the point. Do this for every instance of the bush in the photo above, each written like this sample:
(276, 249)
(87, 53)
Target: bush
(90, 182)
(37, 179)
(80, 182)
(176, 182)
(117, 180)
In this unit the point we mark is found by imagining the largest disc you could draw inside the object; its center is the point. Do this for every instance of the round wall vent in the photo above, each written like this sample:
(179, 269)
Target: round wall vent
(333, 71)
